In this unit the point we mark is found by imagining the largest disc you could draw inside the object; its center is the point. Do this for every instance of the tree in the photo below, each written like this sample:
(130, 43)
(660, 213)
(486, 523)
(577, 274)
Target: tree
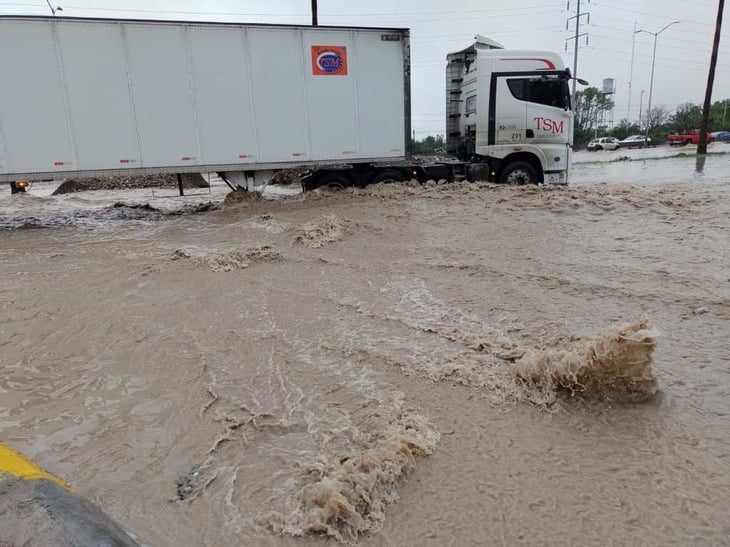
(624, 129)
(429, 145)
(687, 117)
(719, 115)
(658, 115)
(590, 105)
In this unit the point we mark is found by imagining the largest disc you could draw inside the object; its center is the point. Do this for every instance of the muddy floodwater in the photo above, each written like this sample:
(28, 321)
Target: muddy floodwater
(395, 366)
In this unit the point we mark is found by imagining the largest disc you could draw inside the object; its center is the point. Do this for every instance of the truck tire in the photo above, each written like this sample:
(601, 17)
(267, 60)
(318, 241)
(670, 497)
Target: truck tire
(386, 176)
(334, 181)
(518, 173)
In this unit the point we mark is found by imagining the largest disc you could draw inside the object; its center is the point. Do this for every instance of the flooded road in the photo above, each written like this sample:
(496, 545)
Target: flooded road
(391, 366)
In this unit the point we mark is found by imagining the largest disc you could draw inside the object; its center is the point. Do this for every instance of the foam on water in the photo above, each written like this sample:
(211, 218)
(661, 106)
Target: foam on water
(323, 230)
(615, 365)
(234, 259)
(347, 496)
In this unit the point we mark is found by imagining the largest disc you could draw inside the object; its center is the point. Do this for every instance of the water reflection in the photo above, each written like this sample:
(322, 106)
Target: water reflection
(700, 165)
(640, 171)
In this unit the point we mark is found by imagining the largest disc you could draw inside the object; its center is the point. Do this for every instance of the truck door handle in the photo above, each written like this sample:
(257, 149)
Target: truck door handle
(530, 134)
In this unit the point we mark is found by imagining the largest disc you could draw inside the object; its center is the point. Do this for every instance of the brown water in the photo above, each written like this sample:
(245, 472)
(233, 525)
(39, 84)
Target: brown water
(397, 367)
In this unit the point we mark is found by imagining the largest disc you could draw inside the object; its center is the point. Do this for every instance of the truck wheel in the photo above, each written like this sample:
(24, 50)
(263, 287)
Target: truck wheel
(518, 173)
(335, 181)
(386, 176)
(599, 148)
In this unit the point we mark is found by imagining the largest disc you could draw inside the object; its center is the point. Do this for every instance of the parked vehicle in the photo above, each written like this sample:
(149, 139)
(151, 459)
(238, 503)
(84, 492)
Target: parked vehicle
(635, 141)
(604, 143)
(128, 97)
(688, 137)
(721, 136)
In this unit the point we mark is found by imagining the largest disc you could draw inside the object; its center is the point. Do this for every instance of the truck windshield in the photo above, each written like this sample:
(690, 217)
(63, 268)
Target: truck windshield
(550, 91)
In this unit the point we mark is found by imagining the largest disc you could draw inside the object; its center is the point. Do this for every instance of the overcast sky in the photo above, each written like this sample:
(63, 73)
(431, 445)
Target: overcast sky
(438, 27)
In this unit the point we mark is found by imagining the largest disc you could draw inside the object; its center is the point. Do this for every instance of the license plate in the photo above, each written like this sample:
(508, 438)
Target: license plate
(556, 178)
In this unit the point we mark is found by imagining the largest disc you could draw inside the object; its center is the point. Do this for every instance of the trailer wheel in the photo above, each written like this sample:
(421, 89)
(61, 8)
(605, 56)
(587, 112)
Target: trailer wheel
(518, 173)
(386, 176)
(334, 182)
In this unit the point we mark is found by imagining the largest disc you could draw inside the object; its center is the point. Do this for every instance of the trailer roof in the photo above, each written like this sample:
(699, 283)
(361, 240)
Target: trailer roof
(191, 22)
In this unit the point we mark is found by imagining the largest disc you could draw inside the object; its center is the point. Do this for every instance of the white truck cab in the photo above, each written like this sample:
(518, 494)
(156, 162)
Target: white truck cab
(509, 111)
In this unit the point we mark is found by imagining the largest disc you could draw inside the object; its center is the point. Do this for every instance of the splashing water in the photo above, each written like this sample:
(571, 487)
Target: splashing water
(615, 365)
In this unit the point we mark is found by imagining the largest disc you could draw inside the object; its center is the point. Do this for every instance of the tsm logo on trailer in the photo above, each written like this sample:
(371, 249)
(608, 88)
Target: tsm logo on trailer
(329, 61)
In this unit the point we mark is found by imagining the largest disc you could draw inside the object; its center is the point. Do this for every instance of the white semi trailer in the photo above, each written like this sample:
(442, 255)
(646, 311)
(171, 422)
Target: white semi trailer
(95, 97)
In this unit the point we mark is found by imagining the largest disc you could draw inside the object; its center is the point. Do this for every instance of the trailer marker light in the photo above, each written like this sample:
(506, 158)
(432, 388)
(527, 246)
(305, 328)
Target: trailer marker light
(127, 161)
(58, 163)
(21, 184)
(297, 154)
(242, 156)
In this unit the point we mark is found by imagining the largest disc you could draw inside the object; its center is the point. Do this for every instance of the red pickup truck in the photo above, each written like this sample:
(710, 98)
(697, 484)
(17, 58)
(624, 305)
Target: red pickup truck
(688, 137)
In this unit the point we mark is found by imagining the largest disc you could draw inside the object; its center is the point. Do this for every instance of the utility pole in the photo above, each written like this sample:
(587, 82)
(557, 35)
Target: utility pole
(314, 13)
(702, 146)
(577, 17)
(631, 75)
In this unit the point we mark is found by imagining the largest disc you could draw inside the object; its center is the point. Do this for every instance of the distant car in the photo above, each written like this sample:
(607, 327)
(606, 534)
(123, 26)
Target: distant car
(721, 135)
(634, 141)
(687, 137)
(604, 143)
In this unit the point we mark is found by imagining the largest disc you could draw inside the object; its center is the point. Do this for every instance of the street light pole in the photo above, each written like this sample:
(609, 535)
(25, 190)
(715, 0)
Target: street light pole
(641, 106)
(651, 82)
(53, 11)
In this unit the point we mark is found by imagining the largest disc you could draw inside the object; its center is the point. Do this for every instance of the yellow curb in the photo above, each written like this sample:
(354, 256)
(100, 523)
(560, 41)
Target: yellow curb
(14, 463)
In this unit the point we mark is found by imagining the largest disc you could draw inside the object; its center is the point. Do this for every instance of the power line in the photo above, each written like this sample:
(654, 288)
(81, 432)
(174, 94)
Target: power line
(614, 39)
(517, 11)
(623, 9)
(577, 17)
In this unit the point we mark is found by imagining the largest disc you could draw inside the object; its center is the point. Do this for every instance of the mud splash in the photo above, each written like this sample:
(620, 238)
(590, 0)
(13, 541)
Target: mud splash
(234, 259)
(346, 497)
(556, 198)
(460, 348)
(239, 197)
(615, 365)
(323, 230)
(119, 211)
(189, 180)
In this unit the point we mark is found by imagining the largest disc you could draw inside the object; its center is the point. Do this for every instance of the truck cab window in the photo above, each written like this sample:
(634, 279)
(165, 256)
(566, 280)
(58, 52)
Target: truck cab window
(547, 91)
(518, 89)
